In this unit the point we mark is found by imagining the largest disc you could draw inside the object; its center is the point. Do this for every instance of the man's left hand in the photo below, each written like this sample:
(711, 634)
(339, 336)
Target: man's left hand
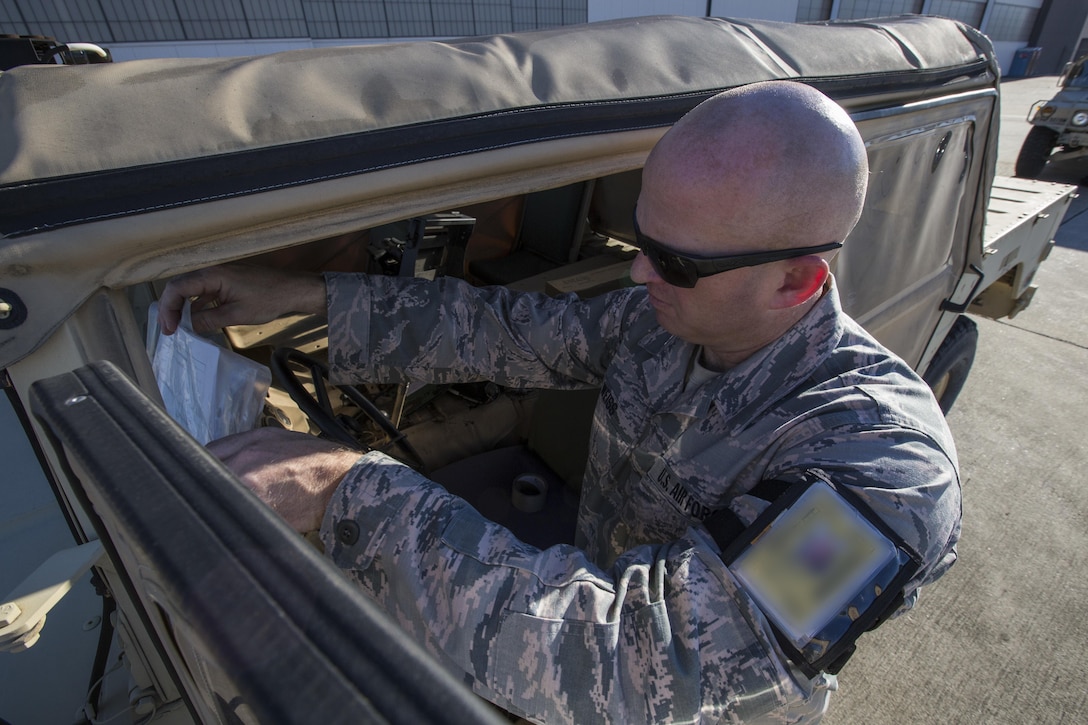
(294, 473)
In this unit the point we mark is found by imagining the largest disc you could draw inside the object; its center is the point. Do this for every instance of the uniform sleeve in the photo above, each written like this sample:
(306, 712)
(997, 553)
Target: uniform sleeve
(923, 507)
(390, 329)
(665, 635)
(905, 471)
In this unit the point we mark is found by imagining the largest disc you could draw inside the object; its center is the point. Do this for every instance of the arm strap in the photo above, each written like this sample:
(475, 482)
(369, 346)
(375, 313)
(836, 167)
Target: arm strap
(875, 599)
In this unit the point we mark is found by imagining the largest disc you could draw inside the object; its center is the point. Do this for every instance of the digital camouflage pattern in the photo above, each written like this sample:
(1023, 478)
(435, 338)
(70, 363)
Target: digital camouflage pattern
(641, 621)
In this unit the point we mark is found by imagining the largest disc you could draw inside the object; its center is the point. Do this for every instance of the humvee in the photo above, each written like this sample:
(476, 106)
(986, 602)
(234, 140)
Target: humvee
(1059, 126)
(511, 160)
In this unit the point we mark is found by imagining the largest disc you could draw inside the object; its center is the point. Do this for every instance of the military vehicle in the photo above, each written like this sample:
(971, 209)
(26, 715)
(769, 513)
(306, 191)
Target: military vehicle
(1059, 126)
(172, 594)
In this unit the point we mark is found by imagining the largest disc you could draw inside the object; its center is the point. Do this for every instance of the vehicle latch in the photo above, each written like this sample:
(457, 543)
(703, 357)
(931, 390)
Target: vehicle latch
(949, 306)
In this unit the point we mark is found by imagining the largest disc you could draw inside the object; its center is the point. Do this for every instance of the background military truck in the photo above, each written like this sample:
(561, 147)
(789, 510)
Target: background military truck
(1059, 125)
(504, 160)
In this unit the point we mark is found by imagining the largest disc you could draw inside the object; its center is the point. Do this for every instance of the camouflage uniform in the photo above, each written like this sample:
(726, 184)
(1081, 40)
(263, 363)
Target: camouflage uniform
(642, 622)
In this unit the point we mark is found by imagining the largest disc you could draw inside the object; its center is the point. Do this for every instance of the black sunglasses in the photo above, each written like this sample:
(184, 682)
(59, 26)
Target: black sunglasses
(683, 270)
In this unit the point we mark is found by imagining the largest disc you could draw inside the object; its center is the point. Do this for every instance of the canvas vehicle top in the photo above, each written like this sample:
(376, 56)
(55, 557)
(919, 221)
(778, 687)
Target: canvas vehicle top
(509, 160)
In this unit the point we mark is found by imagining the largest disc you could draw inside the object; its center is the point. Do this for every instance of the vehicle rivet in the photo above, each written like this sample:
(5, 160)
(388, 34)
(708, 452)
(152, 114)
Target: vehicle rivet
(9, 612)
(12, 310)
(92, 623)
(75, 399)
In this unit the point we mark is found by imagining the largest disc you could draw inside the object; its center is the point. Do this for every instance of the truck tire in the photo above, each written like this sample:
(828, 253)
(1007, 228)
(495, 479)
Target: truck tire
(1035, 151)
(948, 370)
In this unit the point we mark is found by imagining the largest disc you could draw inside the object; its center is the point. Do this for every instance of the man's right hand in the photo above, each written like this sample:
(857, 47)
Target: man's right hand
(237, 294)
(294, 473)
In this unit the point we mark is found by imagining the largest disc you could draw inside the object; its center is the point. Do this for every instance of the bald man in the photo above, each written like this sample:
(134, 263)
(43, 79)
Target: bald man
(732, 387)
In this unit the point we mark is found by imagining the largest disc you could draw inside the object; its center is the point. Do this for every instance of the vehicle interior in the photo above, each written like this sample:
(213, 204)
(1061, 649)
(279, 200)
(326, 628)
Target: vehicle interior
(564, 240)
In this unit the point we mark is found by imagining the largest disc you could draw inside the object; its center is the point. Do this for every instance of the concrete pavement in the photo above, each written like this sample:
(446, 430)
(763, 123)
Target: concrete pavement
(1002, 637)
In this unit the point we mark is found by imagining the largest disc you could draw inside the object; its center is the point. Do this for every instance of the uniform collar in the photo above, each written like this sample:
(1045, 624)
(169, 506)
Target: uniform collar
(747, 390)
(774, 372)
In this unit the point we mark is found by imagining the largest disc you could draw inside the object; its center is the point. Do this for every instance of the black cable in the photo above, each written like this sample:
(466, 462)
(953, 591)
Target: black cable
(101, 655)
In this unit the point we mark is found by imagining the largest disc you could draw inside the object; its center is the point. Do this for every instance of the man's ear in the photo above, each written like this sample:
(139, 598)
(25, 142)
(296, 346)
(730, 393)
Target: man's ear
(803, 278)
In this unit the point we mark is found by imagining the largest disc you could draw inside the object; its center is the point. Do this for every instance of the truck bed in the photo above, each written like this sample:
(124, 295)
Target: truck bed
(1021, 220)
